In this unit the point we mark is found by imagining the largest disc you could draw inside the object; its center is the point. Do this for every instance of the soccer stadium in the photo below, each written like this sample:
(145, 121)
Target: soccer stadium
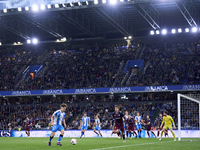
(100, 74)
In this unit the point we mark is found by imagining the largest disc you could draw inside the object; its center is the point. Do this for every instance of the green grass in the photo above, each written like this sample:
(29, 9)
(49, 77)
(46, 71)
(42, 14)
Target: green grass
(7, 143)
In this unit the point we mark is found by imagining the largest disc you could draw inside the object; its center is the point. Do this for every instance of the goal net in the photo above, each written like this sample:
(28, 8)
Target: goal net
(188, 116)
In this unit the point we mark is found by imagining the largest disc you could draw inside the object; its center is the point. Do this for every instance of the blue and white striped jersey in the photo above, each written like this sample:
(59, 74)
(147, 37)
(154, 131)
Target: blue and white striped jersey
(58, 117)
(138, 118)
(97, 121)
(85, 121)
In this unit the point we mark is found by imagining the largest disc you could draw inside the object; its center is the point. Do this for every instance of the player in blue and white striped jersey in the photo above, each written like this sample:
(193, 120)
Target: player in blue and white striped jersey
(57, 119)
(85, 122)
(138, 120)
(97, 125)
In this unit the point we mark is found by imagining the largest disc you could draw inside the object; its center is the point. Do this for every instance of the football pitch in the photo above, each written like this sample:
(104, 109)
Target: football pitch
(98, 144)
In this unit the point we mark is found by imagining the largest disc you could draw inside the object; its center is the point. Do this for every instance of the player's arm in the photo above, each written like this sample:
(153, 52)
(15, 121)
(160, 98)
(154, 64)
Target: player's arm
(30, 124)
(52, 120)
(172, 120)
(81, 123)
(89, 123)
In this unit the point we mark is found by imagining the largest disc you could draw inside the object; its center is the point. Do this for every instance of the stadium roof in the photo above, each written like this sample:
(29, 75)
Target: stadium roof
(103, 21)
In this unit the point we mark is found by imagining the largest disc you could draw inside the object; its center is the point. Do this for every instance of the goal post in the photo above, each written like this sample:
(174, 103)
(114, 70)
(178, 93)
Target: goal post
(188, 112)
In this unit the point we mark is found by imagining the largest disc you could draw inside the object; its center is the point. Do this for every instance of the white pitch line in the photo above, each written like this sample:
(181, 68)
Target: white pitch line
(131, 145)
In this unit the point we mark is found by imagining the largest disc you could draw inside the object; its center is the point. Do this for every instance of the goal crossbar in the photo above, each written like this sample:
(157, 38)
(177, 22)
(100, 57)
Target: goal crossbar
(179, 111)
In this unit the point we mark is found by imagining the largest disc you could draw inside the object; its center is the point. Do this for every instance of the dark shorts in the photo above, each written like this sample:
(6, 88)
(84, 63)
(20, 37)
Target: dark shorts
(149, 128)
(131, 128)
(27, 129)
(120, 127)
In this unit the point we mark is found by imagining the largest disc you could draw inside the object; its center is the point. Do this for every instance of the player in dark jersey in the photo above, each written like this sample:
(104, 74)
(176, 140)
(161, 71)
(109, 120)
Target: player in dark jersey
(130, 122)
(28, 126)
(159, 121)
(147, 122)
(119, 124)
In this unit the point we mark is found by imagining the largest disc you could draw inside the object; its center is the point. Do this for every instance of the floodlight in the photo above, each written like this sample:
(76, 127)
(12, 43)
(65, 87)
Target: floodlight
(5, 10)
(19, 9)
(173, 31)
(35, 8)
(35, 41)
(63, 5)
(79, 4)
(194, 29)
(72, 5)
(95, 1)
(164, 31)
(130, 37)
(42, 7)
(125, 38)
(87, 3)
(29, 41)
(49, 6)
(121, 0)
(56, 5)
(179, 30)
(157, 32)
(103, 1)
(27, 8)
(113, 1)
(152, 32)
(0, 43)
(187, 30)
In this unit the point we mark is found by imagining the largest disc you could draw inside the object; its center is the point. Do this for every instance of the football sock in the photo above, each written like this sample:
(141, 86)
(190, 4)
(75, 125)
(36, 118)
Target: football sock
(126, 133)
(82, 133)
(161, 133)
(173, 134)
(135, 133)
(148, 133)
(60, 137)
(130, 134)
(118, 133)
(123, 136)
(50, 138)
(153, 133)
(158, 133)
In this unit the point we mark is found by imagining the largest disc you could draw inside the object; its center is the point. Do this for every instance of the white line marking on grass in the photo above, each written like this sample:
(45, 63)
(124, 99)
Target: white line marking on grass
(131, 145)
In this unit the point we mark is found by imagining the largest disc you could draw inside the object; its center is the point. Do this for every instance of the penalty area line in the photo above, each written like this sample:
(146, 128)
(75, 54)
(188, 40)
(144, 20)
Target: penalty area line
(130, 145)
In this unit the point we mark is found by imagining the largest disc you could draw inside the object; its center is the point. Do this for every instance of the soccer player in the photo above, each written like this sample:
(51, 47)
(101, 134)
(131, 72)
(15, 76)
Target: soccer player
(168, 120)
(131, 126)
(125, 122)
(28, 126)
(159, 121)
(118, 117)
(85, 122)
(149, 127)
(97, 126)
(56, 121)
(138, 120)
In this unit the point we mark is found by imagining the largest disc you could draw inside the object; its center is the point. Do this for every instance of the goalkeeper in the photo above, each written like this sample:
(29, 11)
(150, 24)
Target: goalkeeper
(168, 124)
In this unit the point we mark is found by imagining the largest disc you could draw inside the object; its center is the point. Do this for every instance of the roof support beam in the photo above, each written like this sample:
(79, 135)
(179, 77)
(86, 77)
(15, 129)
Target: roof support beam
(188, 11)
(116, 19)
(81, 21)
(150, 14)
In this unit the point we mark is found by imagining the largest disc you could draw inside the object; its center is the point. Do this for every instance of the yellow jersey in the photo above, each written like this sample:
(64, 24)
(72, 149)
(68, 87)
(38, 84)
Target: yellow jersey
(168, 120)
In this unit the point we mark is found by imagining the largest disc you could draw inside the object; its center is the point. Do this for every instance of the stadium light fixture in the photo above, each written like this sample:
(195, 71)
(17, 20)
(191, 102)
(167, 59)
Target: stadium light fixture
(113, 2)
(5, 10)
(42, 7)
(121, 0)
(29, 41)
(103, 1)
(157, 32)
(164, 31)
(130, 37)
(27, 8)
(35, 8)
(63, 5)
(152, 32)
(187, 30)
(19, 9)
(72, 5)
(0, 43)
(179, 30)
(35, 41)
(87, 3)
(173, 31)
(63, 39)
(125, 38)
(95, 1)
(194, 29)
(79, 4)
(56, 5)
(49, 6)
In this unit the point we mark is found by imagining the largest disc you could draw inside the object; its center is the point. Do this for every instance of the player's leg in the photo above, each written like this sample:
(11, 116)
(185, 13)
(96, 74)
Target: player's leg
(163, 130)
(158, 132)
(99, 132)
(51, 137)
(26, 132)
(153, 133)
(61, 136)
(123, 134)
(95, 131)
(173, 134)
(166, 133)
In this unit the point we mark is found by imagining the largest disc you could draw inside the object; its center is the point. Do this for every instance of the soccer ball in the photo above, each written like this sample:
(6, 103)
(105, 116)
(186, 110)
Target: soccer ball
(73, 141)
